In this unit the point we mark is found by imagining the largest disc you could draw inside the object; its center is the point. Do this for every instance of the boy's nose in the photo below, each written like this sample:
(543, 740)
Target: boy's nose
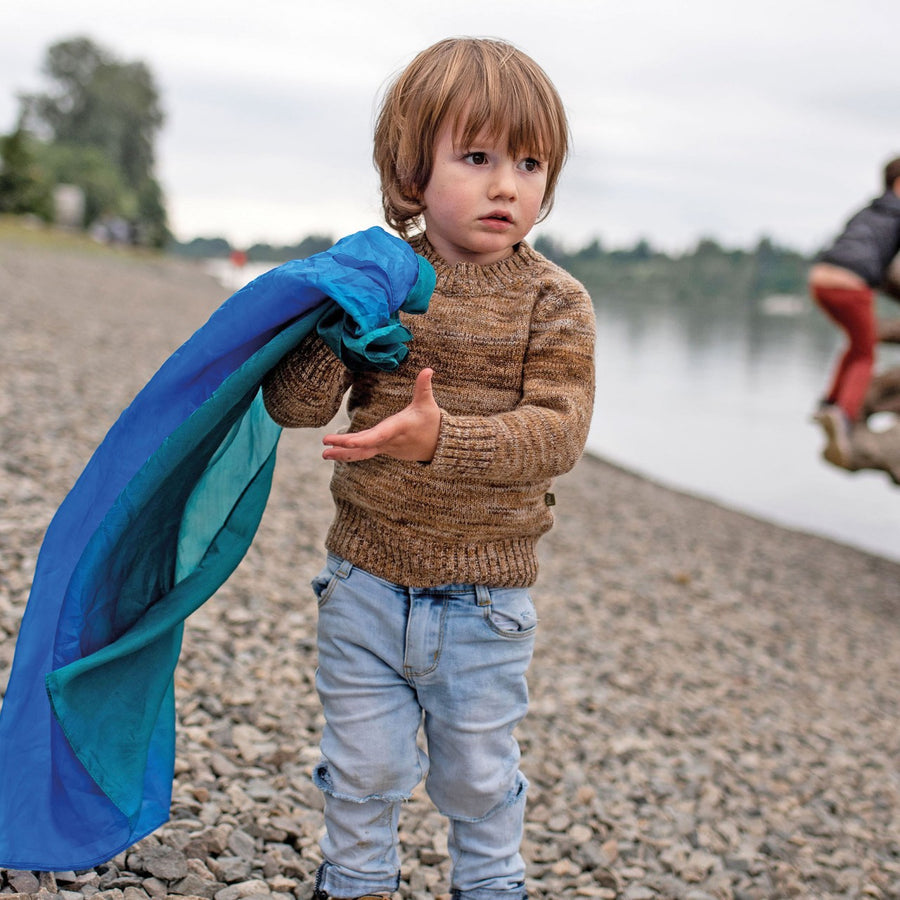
(504, 182)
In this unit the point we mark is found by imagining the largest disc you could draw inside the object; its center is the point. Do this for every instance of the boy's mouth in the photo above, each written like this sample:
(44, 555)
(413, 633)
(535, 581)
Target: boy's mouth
(498, 217)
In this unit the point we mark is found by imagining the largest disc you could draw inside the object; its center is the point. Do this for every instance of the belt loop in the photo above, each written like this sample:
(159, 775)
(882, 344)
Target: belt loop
(344, 569)
(482, 595)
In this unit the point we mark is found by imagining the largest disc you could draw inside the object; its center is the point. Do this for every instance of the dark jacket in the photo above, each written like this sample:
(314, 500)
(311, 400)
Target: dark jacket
(869, 241)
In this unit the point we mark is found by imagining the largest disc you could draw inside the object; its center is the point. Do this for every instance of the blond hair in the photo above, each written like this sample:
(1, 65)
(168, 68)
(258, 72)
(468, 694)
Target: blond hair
(481, 86)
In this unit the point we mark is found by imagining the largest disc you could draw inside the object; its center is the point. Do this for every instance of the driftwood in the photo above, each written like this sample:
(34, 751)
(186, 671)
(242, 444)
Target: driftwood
(884, 391)
(889, 331)
(880, 449)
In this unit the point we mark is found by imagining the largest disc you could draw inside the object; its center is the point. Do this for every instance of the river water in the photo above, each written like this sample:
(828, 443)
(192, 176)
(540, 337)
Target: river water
(722, 410)
(718, 404)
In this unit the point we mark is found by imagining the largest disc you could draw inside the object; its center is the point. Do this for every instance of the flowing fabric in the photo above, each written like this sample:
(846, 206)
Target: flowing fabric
(161, 515)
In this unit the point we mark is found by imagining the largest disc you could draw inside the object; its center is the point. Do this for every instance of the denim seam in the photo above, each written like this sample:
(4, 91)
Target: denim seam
(322, 871)
(409, 673)
(341, 573)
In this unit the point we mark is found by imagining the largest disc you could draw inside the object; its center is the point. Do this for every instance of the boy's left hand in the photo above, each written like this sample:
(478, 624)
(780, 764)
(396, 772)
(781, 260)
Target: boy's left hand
(411, 434)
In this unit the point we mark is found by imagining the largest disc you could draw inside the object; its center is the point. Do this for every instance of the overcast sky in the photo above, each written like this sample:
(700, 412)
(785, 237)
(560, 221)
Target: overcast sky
(703, 118)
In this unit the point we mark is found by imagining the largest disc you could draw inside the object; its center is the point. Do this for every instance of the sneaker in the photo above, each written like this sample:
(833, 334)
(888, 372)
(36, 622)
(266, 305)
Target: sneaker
(836, 425)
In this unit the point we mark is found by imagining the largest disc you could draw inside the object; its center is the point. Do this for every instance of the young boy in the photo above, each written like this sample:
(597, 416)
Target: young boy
(424, 608)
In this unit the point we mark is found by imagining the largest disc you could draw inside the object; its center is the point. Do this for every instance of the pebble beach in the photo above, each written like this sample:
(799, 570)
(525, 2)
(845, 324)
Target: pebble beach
(715, 700)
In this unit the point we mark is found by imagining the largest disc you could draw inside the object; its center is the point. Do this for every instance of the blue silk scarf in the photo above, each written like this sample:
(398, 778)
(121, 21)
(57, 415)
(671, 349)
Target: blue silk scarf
(163, 512)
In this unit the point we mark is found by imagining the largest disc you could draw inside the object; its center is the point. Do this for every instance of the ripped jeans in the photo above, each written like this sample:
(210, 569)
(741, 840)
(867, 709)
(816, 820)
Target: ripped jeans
(391, 659)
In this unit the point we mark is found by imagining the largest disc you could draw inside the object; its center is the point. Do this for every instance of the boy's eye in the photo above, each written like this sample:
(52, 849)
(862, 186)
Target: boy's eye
(477, 158)
(530, 164)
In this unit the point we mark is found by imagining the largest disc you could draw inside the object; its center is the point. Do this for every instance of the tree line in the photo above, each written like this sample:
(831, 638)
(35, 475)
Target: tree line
(220, 248)
(706, 271)
(95, 128)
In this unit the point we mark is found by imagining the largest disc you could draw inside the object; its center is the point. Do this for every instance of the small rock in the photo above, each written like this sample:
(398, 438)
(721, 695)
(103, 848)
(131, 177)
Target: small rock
(241, 844)
(23, 882)
(136, 893)
(243, 889)
(639, 892)
(154, 887)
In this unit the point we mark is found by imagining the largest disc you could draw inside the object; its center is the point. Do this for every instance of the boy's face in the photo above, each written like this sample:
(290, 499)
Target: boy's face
(480, 201)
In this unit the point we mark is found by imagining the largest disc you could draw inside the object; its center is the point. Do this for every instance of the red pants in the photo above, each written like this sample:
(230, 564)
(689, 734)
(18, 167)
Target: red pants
(853, 310)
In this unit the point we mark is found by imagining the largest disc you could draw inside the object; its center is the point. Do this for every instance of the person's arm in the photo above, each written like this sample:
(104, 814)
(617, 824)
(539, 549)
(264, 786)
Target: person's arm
(545, 434)
(542, 437)
(305, 389)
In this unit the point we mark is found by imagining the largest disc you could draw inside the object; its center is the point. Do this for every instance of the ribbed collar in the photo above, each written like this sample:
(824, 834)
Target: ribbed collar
(471, 279)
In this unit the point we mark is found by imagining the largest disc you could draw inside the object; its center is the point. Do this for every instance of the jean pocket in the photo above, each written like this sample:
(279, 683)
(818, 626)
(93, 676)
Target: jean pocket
(511, 612)
(324, 583)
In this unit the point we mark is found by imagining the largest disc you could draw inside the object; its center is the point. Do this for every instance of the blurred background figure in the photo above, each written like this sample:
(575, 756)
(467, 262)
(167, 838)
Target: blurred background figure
(842, 282)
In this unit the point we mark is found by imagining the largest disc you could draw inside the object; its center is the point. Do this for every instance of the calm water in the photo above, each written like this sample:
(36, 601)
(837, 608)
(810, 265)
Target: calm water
(717, 403)
(719, 406)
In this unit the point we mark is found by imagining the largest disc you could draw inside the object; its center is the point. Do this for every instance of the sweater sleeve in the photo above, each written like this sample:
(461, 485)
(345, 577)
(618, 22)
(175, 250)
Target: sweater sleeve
(544, 436)
(305, 389)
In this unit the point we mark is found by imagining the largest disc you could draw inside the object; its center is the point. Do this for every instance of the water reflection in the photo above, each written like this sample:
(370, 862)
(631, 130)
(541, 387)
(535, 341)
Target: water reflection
(715, 398)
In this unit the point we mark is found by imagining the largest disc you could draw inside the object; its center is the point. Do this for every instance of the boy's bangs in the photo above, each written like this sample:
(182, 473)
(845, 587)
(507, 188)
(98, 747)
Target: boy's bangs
(520, 116)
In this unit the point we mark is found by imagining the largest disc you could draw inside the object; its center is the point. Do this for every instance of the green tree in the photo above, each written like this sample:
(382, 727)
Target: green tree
(99, 103)
(202, 248)
(152, 227)
(24, 185)
(105, 190)
(550, 248)
(313, 243)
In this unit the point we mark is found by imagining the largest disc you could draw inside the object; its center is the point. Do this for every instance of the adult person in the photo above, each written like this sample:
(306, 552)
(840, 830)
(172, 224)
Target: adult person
(842, 282)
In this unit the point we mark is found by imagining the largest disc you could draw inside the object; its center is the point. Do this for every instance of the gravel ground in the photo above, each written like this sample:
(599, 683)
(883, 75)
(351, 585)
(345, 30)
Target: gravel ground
(714, 698)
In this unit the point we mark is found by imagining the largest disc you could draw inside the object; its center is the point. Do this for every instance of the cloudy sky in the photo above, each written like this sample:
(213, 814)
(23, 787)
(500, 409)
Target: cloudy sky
(703, 118)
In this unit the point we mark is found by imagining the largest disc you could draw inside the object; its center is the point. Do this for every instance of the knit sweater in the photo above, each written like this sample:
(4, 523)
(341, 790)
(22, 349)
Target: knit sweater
(512, 348)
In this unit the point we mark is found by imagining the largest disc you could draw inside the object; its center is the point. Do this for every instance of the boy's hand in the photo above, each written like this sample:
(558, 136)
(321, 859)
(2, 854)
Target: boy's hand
(410, 434)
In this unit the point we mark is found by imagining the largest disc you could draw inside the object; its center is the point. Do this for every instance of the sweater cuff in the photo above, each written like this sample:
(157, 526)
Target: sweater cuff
(465, 444)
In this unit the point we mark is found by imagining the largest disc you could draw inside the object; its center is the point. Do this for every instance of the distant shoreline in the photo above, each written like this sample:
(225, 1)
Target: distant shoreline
(143, 274)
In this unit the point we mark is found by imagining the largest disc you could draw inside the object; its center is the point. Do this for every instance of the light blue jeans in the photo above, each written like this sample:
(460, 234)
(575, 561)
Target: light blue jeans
(390, 659)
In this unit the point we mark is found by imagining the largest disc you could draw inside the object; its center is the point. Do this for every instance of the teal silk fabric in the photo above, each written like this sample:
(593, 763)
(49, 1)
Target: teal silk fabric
(162, 514)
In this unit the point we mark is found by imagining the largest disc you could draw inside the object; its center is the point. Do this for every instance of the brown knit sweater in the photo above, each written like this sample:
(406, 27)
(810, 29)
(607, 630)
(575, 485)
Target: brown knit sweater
(512, 348)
